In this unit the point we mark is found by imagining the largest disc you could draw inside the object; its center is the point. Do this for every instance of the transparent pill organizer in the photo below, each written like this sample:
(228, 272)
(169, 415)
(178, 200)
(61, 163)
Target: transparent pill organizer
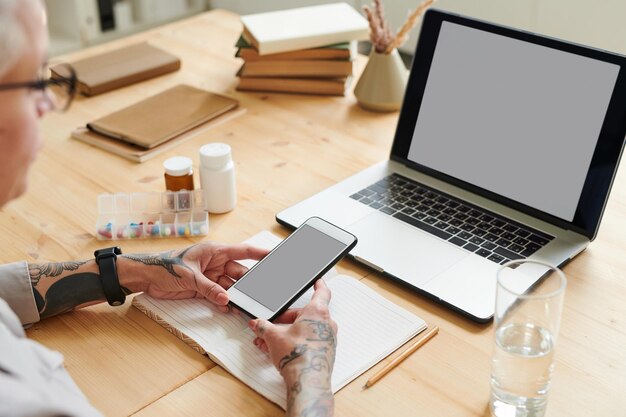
(152, 215)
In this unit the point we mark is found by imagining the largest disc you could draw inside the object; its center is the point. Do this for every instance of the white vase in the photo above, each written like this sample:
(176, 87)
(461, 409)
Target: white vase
(382, 84)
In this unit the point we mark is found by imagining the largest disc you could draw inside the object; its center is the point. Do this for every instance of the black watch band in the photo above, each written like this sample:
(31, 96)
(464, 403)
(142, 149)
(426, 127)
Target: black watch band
(106, 260)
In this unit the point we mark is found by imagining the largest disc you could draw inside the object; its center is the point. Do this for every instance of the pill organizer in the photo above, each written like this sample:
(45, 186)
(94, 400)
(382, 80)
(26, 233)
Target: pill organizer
(152, 215)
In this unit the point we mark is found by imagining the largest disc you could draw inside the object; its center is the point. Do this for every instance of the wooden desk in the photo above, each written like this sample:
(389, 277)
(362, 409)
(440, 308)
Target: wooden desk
(286, 148)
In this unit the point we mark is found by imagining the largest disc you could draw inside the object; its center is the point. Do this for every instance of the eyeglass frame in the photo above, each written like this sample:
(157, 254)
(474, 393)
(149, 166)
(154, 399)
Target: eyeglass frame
(43, 84)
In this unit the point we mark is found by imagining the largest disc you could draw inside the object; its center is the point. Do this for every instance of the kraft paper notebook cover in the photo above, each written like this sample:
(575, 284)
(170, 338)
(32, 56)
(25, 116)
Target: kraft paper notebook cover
(370, 328)
(115, 69)
(162, 117)
(317, 68)
(321, 86)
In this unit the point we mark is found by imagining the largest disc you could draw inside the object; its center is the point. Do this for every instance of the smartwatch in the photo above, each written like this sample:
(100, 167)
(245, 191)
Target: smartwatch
(106, 260)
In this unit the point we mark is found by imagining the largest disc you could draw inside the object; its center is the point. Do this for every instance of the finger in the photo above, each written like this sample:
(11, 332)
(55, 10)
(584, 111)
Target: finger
(244, 251)
(288, 316)
(322, 293)
(225, 282)
(212, 291)
(235, 270)
(260, 327)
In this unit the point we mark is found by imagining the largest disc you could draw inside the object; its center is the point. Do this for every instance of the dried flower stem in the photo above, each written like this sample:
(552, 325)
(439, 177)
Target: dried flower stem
(410, 23)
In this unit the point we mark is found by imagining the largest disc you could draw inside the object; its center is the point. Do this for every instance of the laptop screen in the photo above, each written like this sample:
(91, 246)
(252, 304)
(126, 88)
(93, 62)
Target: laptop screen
(514, 116)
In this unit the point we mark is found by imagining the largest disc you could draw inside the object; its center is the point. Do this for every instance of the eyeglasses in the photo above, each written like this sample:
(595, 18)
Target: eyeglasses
(60, 87)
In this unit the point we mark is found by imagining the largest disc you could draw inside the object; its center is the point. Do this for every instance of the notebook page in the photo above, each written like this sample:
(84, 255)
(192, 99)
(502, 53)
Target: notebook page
(370, 328)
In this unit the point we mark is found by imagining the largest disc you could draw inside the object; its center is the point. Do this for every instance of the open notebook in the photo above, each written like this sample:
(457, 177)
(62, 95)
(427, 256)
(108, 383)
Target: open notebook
(370, 328)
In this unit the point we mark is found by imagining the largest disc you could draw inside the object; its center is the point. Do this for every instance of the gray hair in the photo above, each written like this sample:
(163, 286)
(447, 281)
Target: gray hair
(12, 35)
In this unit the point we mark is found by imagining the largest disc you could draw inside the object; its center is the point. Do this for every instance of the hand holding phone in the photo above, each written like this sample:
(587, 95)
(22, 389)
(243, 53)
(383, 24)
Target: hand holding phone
(275, 282)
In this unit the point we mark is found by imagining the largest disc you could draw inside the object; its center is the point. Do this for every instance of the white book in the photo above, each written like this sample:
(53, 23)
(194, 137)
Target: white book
(304, 27)
(370, 328)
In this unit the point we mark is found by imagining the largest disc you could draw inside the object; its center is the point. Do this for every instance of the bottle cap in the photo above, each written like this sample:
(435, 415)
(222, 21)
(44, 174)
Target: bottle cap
(178, 166)
(215, 155)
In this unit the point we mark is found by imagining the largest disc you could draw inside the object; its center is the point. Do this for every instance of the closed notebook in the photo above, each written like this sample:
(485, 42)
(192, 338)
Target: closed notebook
(321, 86)
(298, 68)
(121, 67)
(370, 328)
(304, 27)
(345, 50)
(162, 117)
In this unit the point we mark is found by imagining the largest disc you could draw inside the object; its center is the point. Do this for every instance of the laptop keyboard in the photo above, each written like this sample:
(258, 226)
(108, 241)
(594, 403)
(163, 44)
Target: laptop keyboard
(474, 229)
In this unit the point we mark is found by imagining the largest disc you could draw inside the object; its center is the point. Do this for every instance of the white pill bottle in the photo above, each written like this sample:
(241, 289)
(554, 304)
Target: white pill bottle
(217, 177)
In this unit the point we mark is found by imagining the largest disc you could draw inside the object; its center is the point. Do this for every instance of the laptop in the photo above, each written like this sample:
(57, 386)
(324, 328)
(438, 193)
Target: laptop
(506, 147)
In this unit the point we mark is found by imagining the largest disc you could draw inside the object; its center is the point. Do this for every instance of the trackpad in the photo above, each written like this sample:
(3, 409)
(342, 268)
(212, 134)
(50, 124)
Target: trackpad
(403, 250)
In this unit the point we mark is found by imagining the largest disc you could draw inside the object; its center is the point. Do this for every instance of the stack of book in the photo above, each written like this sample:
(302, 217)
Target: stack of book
(310, 50)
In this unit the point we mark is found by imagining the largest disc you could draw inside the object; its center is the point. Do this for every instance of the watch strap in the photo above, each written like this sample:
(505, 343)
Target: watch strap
(107, 263)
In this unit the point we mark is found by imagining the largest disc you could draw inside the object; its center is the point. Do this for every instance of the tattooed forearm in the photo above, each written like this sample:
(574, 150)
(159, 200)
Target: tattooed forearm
(69, 292)
(53, 269)
(308, 389)
(164, 260)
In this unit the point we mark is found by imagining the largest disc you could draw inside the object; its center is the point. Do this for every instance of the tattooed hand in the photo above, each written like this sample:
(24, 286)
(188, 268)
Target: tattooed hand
(205, 270)
(303, 352)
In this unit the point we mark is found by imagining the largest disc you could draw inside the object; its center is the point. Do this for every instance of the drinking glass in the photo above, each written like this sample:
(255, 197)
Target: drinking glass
(527, 318)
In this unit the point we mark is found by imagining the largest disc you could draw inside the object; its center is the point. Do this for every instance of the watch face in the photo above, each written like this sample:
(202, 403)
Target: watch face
(114, 249)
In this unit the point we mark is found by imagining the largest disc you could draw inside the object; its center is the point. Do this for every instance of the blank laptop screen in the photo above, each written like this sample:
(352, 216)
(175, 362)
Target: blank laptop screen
(515, 118)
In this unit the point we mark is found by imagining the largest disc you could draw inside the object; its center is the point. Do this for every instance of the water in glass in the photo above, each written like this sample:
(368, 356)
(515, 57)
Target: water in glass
(521, 371)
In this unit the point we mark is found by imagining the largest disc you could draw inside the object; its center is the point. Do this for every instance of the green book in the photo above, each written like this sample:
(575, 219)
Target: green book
(338, 51)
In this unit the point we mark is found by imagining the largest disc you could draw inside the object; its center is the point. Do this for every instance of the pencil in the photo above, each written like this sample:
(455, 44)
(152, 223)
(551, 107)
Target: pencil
(418, 343)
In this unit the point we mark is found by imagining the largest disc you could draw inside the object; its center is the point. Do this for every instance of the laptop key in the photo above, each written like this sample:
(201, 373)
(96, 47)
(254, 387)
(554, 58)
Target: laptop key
(449, 211)
(533, 246)
(463, 209)
(488, 245)
(483, 252)
(366, 192)
(376, 205)
(465, 235)
(424, 226)
(397, 206)
(367, 201)
(453, 230)
(479, 232)
(439, 206)
(503, 242)
(356, 196)
(444, 218)
(507, 235)
(507, 253)
(452, 204)
(490, 237)
(496, 258)
(418, 215)
(473, 221)
(522, 232)
(486, 218)
(476, 240)
(455, 222)
(538, 239)
(408, 211)
(520, 241)
(457, 241)
(475, 213)
(387, 210)
(515, 248)
(467, 227)
(509, 228)
(441, 225)
(498, 223)
(496, 231)
(430, 220)
(471, 247)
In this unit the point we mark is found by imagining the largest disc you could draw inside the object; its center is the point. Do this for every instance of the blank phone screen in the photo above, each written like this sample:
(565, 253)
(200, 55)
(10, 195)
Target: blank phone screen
(284, 272)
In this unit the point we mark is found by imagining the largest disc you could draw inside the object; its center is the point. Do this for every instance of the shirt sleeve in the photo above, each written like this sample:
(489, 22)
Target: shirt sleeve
(16, 290)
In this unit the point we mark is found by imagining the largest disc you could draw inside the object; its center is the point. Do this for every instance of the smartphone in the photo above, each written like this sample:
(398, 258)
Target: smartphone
(277, 280)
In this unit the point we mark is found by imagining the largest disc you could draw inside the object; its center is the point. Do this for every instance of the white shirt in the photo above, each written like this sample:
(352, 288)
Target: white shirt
(33, 380)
